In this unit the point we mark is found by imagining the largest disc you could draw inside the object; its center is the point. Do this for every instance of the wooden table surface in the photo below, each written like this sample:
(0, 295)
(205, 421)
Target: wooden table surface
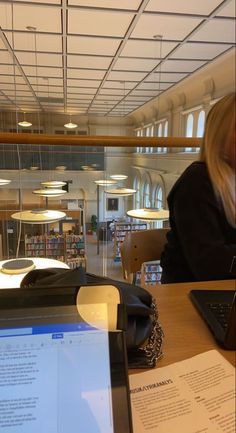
(186, 334)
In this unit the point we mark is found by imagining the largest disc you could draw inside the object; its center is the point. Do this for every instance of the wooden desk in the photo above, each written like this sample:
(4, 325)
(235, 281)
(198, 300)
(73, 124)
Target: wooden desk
(186, 334)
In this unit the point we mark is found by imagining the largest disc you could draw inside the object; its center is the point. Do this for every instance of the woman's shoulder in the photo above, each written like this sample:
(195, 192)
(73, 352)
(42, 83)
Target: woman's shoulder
(194, 180)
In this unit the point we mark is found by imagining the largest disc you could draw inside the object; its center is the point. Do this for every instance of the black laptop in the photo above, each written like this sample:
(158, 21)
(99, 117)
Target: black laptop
(59, 371)
(218, 309)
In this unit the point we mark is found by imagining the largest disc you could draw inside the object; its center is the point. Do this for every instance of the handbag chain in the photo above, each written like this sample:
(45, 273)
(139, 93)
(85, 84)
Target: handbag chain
(153, 348)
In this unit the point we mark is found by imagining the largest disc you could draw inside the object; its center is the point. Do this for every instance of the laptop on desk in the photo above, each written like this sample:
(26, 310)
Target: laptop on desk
(218, 309)
(63, 366)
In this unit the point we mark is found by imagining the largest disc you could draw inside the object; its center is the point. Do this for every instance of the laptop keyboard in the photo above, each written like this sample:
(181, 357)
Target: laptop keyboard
(221, 312)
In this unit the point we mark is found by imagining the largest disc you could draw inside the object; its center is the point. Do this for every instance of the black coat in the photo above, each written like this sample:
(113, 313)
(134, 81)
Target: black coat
(201, 243)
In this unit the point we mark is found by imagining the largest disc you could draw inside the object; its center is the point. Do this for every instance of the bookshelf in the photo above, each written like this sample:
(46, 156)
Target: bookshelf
(66, 248)
(121, 229)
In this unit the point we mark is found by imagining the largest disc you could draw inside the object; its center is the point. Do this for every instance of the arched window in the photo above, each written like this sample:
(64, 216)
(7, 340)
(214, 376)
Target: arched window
(146, 195)
(189, 130)
(137, 195)
(200, 123)
(166, 129)
(158, 204)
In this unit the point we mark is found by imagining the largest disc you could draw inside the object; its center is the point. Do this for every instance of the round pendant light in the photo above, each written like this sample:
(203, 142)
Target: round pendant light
(70, 125)
(25, 124)
(53, 184)
(4, 182)
(105, 182)
(38, 216)
(118, 176)
(17, 266)
(121, 191)
(149, 214)
(61, 167)
(49, 192)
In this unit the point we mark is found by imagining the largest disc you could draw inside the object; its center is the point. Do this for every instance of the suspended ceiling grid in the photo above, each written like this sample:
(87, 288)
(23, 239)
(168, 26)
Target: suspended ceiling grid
(101, 57)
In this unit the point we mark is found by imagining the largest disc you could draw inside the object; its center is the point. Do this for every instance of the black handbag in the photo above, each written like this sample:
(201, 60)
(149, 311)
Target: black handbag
(144, 335)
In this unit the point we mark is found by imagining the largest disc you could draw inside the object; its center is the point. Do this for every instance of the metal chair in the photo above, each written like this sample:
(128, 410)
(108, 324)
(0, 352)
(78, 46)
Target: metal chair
(139, 247)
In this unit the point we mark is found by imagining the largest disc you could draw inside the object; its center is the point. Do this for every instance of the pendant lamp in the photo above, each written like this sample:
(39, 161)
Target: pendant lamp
(118, 176)
(105, 182)
(24, 123)
(121, 191)
(149, 214)
(53, 184)
(70, 125)
(49, 192)
(4, 182)
(38, 216)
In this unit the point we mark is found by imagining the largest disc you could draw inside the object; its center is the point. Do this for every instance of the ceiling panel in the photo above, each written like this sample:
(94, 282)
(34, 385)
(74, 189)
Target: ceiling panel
(89, 62)
(44, 59)
(200, 7)
(90, 53)
(123, 4)
(180, 66)
(30, 15)
(129, 64)
(147, 49)
(91, 22)
(92, 45)
(199, 51)
(170, 27)
(216, 30)
(228, 10)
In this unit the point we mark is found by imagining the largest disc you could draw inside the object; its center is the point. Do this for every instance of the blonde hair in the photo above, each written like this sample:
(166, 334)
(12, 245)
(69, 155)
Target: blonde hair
(215, 152)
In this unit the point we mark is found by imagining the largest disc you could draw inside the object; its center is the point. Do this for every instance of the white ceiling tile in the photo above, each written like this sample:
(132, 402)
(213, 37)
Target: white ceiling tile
(123, 76)
(216, 30)
(5, 57)
(31, 15)
(118, 85)
(166, 77)
(80, 73)
(154, 86)
(129, 64)
(25, 41)
(43, 72)
(170, 27)
(228, 10)
(99, 23)
(54, 2)
(88, 62)
(200, 7)
(123, 4)
(41, 81)
(10, 79)
(92, 45)
(108, 97)
(180, 66)
(42, 59)
(199, 51)
(147, 49)
(82, 91)
(120, 92)
(71, 84)
(81, 98)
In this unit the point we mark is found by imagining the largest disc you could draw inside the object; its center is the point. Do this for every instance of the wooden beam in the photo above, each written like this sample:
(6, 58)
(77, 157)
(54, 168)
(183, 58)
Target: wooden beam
(98, 140)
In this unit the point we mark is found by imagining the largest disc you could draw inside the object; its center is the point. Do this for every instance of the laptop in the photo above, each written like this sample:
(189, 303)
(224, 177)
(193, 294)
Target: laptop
(63, 365)
(218, 309)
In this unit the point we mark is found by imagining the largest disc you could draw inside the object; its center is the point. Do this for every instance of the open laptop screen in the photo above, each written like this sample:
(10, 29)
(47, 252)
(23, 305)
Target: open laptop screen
(56, 373)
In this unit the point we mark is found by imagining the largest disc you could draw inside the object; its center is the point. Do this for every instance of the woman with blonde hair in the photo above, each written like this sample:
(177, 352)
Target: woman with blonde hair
(201, 243)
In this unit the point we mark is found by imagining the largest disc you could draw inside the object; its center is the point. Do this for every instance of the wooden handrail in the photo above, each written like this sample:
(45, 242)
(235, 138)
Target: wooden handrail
(98, 140)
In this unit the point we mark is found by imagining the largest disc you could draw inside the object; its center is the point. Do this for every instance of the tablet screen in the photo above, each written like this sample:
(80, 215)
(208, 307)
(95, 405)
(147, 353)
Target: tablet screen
(55, 373)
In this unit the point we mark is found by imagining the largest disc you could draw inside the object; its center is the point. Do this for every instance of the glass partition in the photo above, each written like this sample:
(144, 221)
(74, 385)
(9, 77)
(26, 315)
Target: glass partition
(96, 221)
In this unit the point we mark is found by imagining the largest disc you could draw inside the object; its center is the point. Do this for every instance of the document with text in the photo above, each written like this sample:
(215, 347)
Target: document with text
(196, 395)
